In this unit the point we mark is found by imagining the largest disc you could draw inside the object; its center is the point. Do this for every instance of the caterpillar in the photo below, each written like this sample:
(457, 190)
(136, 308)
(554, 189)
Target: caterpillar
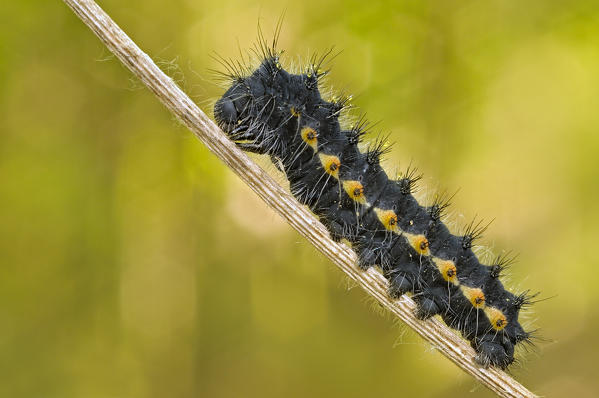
(273, 112)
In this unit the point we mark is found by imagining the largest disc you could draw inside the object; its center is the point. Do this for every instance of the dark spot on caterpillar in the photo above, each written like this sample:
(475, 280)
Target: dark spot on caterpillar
(440, 204)
(495, 271)
(525, 299)
(271, 111)
(474, 231)
(409, 183)
(501, 263)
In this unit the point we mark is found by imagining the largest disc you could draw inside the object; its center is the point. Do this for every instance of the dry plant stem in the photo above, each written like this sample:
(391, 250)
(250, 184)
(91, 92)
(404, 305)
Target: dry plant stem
(434, 331)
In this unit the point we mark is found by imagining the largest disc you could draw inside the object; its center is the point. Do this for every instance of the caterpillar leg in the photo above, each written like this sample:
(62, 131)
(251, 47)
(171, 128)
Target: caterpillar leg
(493, 350)
(336, 229)
(367, 257)
(427, 306)
(251, 147)
(400, 284)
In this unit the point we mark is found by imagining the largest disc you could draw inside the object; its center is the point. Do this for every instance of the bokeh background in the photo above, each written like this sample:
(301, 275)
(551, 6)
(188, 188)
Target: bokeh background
(134, 264)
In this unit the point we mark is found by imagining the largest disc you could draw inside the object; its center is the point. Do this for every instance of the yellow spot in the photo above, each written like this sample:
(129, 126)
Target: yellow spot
(388, 218)
(294, 112)
(474, 295)
(447, 269)
(330, 164)
(419, 243)
(496, 317)
(355, 190)
(310, 137)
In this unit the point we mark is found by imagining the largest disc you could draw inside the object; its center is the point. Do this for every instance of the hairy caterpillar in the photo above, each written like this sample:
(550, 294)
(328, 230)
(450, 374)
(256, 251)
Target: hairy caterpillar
(271, 111)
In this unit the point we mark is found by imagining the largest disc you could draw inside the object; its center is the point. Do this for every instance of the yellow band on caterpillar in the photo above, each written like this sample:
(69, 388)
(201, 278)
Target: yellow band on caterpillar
(330, 164)
(388, 218)
(355, 190)
(474, 295)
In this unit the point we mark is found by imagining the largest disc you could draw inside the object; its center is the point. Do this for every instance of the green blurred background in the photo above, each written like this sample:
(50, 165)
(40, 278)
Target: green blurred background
(134, 264)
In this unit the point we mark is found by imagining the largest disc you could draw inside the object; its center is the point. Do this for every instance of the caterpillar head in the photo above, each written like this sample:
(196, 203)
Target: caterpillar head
(267, 99)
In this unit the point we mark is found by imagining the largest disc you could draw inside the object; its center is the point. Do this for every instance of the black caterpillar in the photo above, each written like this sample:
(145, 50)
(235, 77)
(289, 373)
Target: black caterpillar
(271, 111)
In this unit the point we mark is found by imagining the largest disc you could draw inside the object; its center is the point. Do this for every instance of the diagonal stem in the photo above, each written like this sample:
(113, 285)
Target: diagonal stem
(434, 331)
